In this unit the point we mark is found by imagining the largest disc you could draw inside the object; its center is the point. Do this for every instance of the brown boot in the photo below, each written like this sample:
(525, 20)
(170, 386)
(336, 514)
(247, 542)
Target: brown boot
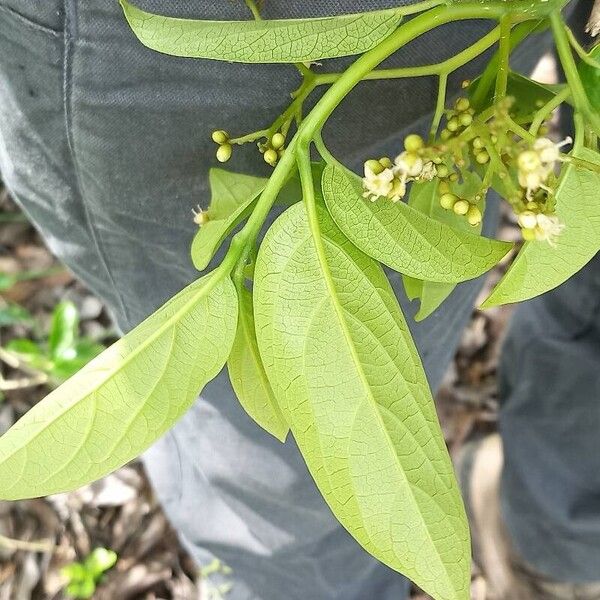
(507, 575)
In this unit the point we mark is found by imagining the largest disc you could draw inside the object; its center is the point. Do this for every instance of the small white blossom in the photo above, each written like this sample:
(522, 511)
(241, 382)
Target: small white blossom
(532, 172)
(398, 189)
(428, 172)
(377, 184)
(200, 216)
(548, 151)
(408, 164)
(548, 228)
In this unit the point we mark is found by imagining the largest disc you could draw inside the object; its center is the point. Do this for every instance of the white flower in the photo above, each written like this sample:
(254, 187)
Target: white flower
(398, 189)
(532, 172)
(548, 151)
(377, 184)
(200, 216)
(428, 172)
(548, 228)
(408, 164)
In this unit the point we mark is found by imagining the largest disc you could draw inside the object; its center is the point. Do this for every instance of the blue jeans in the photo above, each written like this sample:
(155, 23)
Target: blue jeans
(106, 145)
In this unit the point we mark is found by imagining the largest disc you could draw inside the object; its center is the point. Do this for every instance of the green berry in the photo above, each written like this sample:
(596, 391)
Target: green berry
(271, 157)
(220, 137)
(482, 157)
(224, 153)
(413, 142)
(448, 201)
(474, 215)
(462, 104)
(277, 141)
(461, 207)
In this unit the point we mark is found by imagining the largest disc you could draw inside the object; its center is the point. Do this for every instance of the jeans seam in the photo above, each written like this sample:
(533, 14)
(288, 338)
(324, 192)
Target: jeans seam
(69, 18)
(28, 22)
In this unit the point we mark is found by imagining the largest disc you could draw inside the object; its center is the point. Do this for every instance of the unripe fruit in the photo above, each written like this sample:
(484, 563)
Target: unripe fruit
(442, 171)
(277, 141)
(224, 153)
(461, 207)
(448, 200)
(474, 215)
(220, 137)
(413, 142)
(270, 156)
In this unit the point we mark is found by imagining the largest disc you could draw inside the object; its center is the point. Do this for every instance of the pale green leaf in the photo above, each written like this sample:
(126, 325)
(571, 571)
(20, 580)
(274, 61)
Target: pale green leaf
(404, 238)
(277, 41)
(124, 399)
(350, 384)
(424, 198)
(232, 195)
(540, 267)
(247, 373)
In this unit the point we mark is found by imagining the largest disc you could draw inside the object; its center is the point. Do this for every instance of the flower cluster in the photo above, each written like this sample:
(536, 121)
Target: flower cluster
(540, 226)
(387, 179)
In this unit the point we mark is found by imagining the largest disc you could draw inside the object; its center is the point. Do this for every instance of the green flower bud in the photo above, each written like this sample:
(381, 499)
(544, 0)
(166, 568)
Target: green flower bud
(374, 166)
(442, 171)
(271, 157)
(413, 142)
(474, 215)
(448, 200)
(465, 119)
(224, 153)
(482, 157)
(277, 141)
(220, 137)
(478, 143)
(452, 124)
(445, 134)
(462, 104)
(386, 162)
(443, 187)
(453, 177)
(461, 207)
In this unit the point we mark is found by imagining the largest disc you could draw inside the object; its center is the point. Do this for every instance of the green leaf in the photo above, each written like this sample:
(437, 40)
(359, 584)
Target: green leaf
(590, 78)
(540, 267)
(64, 330)
(279, 41)
(13, 314)
(232, 195)
(350, 383)
(424, 198)
(248, 376)
(123, 400)
(405, 239)
(99, 561)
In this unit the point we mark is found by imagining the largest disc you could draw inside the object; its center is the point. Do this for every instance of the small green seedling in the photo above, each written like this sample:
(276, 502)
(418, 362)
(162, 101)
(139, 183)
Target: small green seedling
(83, 577)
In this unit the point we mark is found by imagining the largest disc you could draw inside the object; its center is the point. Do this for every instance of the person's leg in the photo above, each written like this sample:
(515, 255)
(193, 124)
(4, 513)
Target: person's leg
(106, 144)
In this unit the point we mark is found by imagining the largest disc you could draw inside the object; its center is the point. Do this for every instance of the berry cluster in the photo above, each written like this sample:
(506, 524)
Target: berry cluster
(272, 148)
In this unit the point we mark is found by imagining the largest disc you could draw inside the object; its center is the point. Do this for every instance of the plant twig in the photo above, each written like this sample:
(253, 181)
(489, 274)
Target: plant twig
(39, 546)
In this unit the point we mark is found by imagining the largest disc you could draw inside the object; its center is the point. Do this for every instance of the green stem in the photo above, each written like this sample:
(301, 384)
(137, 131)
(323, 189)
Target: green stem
(439, 107)
(583, 55)
(503, 58)
(580, 99)
(253, 9)
(548, 108)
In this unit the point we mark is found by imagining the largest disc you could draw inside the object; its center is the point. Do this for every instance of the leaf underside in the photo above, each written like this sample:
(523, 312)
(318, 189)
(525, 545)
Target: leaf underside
(351, 385)
(405, 239)
(232, 195)
(276, 41)
(122, 401)
(540, 267)
(247, 374)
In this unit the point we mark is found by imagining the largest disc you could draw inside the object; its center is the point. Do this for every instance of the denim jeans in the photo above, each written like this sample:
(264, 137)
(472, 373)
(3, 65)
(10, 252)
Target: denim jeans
(106, 145)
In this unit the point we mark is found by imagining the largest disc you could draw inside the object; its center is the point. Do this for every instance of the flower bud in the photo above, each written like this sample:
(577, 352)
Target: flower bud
(442, 171)
(465, 119)
(474, 215)
(478, 143)
(413, 142)
(443, 187)
(461, 207)
(445, 134)
(271, 157)
(462, 104)
(220, 137)
(374, 166)
(224, 153)
(448, 200)
(482, 157)
(452, 124)
(386, 162)
(278, 140)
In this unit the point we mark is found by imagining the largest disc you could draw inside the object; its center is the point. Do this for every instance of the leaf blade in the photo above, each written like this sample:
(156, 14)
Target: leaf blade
(405, 239)
(539, 267)
(352, 388)
(247, 374)
(78, 433)
(278, 41)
